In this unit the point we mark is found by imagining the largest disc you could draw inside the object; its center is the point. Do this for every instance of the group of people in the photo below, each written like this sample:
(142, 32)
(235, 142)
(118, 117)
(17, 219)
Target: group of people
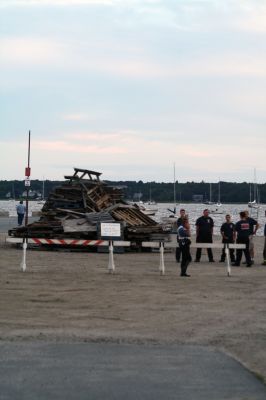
(241, 233)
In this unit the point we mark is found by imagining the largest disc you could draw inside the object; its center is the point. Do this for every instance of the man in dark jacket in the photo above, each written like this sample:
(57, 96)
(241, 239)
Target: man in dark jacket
(204, 232)
(228, 233)
(243, 232)
(179, 222)
(264, 251)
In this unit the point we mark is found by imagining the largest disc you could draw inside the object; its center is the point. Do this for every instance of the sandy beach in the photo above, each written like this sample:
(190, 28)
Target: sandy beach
(70, 297)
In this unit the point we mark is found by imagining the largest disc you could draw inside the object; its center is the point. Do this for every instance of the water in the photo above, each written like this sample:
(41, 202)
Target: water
(10, 206)
(193, 210)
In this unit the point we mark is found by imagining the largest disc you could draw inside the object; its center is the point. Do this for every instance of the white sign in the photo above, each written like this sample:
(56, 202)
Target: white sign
(110, 229)
(27, 181)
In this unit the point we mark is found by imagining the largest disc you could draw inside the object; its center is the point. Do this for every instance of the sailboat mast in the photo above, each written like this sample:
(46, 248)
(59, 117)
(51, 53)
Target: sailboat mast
(43, 188)
(210, 192)
(174, 186)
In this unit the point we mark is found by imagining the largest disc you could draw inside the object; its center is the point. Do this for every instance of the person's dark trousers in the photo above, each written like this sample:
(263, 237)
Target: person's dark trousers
(203, 239)
(20, 219)
(246, 252)
(186, 258)
(177, 254)
(264, 251)
(231, 252)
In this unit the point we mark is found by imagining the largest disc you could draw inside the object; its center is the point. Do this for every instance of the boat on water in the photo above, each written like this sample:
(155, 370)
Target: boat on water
(146, 210)
(255, 202)
(216, 208)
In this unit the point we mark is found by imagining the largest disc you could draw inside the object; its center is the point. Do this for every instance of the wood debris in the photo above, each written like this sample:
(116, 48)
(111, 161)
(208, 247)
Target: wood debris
(80, 204)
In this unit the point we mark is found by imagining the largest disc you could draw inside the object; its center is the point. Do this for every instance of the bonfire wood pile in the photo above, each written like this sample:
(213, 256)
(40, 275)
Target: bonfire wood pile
(76, 208)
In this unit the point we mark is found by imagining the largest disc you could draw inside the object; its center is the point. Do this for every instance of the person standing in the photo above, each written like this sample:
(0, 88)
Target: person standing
(264, 250)
(243, 232)
(178, 223)
(204, 232)
(253, 227)
(228, 234)
(183, 232)
(21, 209)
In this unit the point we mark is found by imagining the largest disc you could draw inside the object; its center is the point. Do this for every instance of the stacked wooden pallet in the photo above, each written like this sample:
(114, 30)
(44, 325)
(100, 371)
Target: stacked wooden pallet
(76, 208)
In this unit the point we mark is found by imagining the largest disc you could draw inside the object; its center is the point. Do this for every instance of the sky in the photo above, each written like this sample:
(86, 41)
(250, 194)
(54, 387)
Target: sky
(131, 88)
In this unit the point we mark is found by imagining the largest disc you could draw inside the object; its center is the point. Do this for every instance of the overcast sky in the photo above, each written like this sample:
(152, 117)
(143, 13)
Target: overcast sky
(129, 87)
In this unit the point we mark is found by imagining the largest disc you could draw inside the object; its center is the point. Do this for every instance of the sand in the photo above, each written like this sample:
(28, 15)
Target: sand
(70, 297)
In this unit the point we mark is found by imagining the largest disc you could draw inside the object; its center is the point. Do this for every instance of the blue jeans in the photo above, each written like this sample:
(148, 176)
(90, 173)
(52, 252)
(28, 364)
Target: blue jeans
(20, 218)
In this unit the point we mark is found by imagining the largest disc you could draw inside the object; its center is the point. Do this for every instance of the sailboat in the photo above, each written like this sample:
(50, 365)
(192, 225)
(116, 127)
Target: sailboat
(209, 202)
(173, 212)
(42, 201)
(151, 202)
(216, 208)
(255, 202)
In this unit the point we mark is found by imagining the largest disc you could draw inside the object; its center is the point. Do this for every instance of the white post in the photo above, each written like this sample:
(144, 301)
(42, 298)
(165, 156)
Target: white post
(162, 267)
(23, 262)
(111, 265)
(228, 261)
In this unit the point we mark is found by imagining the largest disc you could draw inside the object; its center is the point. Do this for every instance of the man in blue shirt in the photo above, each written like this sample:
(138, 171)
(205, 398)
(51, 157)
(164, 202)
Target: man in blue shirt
(21, 209)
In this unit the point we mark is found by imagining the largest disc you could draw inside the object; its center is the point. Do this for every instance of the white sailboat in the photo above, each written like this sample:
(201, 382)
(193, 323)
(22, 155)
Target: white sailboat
(216, 208)
(42, 201)
(255, 202)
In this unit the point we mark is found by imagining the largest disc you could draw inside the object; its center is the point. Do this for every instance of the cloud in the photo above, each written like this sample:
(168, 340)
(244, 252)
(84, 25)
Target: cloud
(52, 3)
(70, 147)
(76, 117)
(29, 51)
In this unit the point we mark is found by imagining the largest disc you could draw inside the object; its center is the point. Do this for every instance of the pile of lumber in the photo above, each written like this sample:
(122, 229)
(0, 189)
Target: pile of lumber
(80, 204)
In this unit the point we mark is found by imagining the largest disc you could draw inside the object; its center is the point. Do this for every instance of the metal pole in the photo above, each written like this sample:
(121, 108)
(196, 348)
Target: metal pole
(111, 264)
(161, 265)
(27, 191)
(228, 260)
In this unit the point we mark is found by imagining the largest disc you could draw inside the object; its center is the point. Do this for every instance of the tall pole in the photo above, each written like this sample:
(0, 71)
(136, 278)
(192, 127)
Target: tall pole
(174, 186)
(27, 191)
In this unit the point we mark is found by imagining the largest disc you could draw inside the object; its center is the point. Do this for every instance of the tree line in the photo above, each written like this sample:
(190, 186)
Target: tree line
(230, 192)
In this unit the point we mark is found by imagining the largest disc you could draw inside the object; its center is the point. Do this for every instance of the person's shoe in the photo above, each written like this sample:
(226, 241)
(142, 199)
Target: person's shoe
(244, 262)
(249, 265)
(264, 262)
(212, 260)
(221, 260)
(235, 265)
(197, 260)
(184, 275)
(178, 261)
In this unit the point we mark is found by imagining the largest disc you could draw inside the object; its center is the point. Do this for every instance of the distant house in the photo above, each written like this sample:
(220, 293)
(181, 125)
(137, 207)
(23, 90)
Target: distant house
(197, 198)
(32, 194)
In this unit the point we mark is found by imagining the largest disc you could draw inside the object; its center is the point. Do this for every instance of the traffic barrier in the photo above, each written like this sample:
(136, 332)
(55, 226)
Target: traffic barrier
(163, 245)
(69, 242)
(120, 243)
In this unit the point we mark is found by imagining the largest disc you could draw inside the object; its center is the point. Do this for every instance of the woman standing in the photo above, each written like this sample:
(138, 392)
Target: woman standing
(183, 233)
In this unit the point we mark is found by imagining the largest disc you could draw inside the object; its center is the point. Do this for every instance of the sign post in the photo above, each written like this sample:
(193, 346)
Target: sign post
(110, 231)
(27, 185)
